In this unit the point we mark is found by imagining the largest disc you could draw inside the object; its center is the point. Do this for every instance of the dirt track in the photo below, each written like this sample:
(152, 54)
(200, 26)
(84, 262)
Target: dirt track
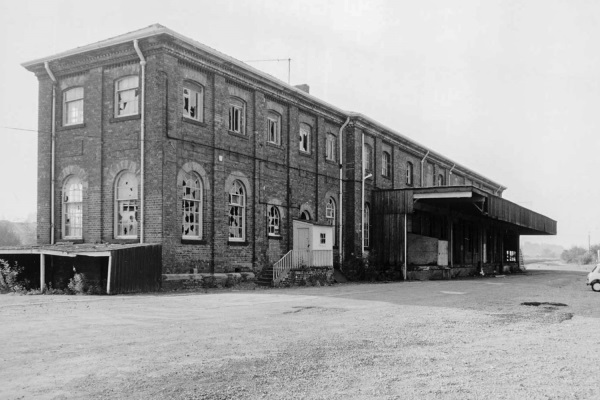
(425, 340)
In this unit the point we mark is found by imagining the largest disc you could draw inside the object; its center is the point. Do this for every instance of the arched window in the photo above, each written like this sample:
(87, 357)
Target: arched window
(366, 225)
(330, 215)
(126, 206)
(127, 96)
(273, 221)
(191, 206)
(73, 106)
(305, 215)
(305, 133)
(237, 115)
(72, 221)
(409, 174)
(193, 101)
(237, 212)
(440, 180)
(330, 211)
(367, 158)
(386, 164)
(273, 128)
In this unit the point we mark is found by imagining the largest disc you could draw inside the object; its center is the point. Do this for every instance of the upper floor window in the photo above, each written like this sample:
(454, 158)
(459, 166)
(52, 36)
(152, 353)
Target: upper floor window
(273, 221)
(193, 101)
(409, 174)
(386, 164)
(273, 128)
(73, 106)
(237, 115)
(237, 212)
(367, 158)
(127, 96)
(191, 207)
(126, 206)
(72, 220)
(440, 180)
(430, 177)
(330, 147)
(305, 133)
(305, 215)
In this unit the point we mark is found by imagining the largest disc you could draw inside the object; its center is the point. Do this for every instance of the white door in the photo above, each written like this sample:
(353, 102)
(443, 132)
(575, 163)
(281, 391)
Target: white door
(302, 246)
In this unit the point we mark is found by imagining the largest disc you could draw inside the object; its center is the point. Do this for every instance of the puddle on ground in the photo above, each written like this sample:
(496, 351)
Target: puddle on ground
(545, 303)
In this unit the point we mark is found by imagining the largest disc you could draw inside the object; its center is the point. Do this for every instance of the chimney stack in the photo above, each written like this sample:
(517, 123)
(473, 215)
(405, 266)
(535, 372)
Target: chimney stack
(304, 87)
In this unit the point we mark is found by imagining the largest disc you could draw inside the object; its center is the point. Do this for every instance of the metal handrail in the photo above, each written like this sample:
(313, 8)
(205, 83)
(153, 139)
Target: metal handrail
(298, 258)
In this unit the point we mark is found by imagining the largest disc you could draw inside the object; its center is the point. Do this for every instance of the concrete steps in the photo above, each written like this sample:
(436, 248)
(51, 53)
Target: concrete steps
(265, 278)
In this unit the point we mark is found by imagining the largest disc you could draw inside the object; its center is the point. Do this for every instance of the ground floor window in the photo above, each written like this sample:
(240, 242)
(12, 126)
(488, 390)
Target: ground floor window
(237, 212)
(273, 221)
(126, 206)
(72, 208)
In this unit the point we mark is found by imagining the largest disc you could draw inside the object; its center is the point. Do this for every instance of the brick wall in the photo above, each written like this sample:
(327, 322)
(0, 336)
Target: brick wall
(272, 174)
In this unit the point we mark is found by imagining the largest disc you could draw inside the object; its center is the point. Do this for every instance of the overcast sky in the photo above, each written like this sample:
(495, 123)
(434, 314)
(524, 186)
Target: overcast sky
(508, 88)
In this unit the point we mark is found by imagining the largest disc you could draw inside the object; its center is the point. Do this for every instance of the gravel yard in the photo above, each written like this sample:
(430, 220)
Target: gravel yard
(462, 339)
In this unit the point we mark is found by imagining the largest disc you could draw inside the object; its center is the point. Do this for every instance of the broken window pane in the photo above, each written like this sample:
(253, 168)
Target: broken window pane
(127, 96)
(192, 207)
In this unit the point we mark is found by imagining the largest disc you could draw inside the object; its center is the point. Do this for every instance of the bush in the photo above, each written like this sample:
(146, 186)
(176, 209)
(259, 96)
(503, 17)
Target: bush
(10, 278)
(79, 284)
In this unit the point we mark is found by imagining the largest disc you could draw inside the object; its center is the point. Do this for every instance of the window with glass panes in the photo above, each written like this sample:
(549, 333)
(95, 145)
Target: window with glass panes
(237, 212)
(73, 106)
(191, 207)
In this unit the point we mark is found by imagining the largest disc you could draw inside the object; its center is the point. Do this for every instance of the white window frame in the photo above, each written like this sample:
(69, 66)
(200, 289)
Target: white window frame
(367, 158)
(237, 115)
(330, 147)
(305, 137)
(193, 99)
(126, 206)
(125, 87)
(73, 105)
(237, 212)
(273, 221)
(323, 237)
(409, 173)
(273, 128)
(330, 209)
(331, 216)
(386, 164)
(72, 208)
(192, 206)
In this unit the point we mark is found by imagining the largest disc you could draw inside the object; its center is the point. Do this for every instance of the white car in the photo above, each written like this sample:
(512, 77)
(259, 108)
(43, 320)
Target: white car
(593, 278)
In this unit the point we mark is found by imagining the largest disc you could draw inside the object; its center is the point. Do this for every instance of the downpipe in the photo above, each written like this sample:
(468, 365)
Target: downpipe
(53, 152)
(142, 136)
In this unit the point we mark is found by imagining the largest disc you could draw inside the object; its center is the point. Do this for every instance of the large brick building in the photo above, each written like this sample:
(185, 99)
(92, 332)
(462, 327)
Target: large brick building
(153, 137)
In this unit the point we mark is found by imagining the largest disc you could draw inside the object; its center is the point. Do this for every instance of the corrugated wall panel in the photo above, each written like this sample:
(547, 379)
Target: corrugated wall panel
(136, 269)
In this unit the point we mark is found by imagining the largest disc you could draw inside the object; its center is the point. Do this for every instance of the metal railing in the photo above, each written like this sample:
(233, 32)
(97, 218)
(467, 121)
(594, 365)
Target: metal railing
(301, 258)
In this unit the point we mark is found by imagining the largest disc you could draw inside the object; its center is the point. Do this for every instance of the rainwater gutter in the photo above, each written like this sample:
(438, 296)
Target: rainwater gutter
(422, 162)
(341, 151)
(142, 132)
(53, 152)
